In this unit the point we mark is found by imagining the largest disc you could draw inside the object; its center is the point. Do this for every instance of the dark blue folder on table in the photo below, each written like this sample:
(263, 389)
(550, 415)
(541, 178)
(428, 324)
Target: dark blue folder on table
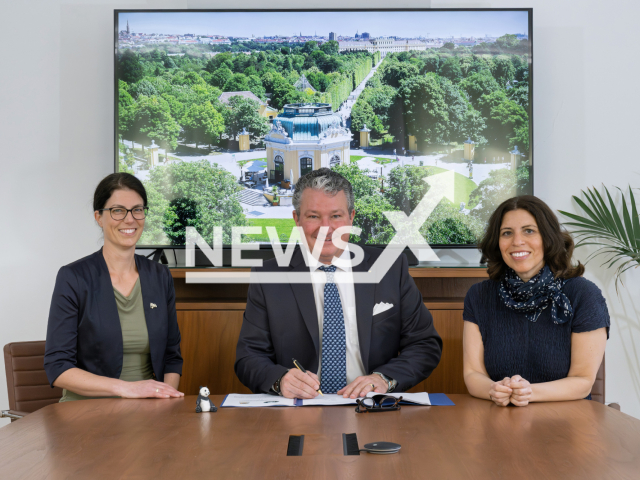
(439, 399)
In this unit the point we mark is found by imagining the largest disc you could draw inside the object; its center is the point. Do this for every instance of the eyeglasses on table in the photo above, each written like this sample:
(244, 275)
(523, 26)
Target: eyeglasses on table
(378, 403)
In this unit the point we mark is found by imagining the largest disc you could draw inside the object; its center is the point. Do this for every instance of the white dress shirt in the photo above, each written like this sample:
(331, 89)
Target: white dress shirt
(344, 282)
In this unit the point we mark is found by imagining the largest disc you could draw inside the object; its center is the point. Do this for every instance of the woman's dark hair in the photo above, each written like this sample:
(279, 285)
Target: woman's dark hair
(557, 242)
(117, 181)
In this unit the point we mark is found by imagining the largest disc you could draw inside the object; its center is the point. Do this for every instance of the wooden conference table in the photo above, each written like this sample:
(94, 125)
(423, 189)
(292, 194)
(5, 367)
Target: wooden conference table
(160, 439)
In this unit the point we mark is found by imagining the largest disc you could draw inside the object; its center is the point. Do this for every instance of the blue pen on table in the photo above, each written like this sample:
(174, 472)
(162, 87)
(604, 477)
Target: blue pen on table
(301, 368)
(251, 401)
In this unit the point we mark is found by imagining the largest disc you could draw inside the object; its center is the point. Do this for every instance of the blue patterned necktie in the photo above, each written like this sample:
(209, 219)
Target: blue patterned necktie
(334, 345)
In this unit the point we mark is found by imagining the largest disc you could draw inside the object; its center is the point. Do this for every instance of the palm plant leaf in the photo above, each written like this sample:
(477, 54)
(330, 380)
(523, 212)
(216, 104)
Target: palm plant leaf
(616, 232)
(597, 207)
(606, 215)
(594, 217)
(634, 217)
(628, 224)
(587, 229)
(583, 222)
(616, 218)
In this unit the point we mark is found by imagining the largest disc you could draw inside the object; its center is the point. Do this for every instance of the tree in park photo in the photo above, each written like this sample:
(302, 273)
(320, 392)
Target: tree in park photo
(151, 120)
(363, 115)
(376, 228)
(243, 114)
(181, 213)
(131, 70)
(425, 108)
(500, 185)
(447, 225)
(406, 187)
(202, 124)
(369, 206)
(210, 193)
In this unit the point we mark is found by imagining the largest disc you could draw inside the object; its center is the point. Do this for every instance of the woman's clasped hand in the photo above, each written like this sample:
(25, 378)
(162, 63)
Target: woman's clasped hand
(514, 390)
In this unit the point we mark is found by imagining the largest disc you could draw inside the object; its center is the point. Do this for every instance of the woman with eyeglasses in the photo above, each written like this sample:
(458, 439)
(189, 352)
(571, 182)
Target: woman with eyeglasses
(112, 328)
(536, 330)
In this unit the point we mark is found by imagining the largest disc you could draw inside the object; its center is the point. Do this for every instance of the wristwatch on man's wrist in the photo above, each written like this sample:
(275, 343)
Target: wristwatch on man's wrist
(391, 383)
(276, 385)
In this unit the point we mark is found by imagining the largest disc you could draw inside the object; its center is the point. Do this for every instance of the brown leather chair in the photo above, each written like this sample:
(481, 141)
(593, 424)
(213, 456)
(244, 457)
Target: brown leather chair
(27, 382)
(597, 391)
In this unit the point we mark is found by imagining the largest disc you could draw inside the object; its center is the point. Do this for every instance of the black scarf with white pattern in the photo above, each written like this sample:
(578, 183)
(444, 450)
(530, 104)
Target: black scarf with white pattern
(535, 295)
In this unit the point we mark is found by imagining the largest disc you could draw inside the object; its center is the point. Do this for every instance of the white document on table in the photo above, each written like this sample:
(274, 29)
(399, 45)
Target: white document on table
(328, 399)
(266, 400)
(420, 398)
(257, 400)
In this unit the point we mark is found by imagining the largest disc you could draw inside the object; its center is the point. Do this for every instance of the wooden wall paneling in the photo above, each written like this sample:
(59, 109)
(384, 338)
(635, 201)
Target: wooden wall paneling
(445, 287)
(209, 291)
(459, 272)
(447, 377)
(208, 347)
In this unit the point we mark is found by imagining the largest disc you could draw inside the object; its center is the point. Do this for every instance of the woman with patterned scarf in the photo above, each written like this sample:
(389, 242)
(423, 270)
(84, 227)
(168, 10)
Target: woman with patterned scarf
(536, 330)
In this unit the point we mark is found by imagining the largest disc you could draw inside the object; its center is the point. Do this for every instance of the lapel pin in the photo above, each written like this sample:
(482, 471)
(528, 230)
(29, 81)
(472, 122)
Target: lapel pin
(153, 305)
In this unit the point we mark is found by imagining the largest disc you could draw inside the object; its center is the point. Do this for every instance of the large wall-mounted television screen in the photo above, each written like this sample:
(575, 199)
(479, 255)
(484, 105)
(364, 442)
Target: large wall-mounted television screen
(219, 113)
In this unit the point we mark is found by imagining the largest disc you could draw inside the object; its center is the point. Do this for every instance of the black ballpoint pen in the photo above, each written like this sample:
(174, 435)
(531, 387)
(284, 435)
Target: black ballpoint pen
(301, 368)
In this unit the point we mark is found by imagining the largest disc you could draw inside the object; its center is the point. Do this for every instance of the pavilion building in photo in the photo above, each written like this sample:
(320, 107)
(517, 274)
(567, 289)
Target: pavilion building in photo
(305, 137)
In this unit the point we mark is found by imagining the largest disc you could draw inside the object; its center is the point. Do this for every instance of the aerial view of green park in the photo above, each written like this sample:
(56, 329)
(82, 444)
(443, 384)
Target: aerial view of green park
(203, 99)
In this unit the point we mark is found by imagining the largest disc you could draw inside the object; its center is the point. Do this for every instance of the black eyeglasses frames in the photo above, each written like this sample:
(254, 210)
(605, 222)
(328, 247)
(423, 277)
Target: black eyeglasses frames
(120, 213)
(378, 403)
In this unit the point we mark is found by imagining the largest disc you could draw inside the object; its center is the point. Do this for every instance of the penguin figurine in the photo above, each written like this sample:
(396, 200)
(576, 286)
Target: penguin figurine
(203, 404)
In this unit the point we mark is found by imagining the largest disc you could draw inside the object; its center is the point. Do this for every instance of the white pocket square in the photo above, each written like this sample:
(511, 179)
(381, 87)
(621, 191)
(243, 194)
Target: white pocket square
(381, 307)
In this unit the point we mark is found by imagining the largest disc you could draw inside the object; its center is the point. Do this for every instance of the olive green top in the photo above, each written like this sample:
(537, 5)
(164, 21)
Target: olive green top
(136, 359)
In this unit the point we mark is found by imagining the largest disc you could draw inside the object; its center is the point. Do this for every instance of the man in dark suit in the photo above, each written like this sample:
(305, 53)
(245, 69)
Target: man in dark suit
(358, 337)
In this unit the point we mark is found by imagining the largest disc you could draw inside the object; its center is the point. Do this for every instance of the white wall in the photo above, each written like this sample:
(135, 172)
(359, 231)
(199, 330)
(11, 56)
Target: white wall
(56, 131)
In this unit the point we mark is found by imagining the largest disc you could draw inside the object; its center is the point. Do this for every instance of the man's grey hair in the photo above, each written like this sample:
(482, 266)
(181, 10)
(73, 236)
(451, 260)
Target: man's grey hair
(327, 181)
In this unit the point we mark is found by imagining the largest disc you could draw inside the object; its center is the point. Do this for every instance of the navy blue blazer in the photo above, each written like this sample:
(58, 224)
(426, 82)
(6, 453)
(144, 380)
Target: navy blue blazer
(84, 325)
(281, 323)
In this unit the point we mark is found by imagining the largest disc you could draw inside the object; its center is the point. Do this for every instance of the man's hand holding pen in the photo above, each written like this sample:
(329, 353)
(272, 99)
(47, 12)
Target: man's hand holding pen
(296, 384)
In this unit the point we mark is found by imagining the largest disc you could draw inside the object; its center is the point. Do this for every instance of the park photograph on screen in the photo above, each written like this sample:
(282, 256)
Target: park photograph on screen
(219, 113)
